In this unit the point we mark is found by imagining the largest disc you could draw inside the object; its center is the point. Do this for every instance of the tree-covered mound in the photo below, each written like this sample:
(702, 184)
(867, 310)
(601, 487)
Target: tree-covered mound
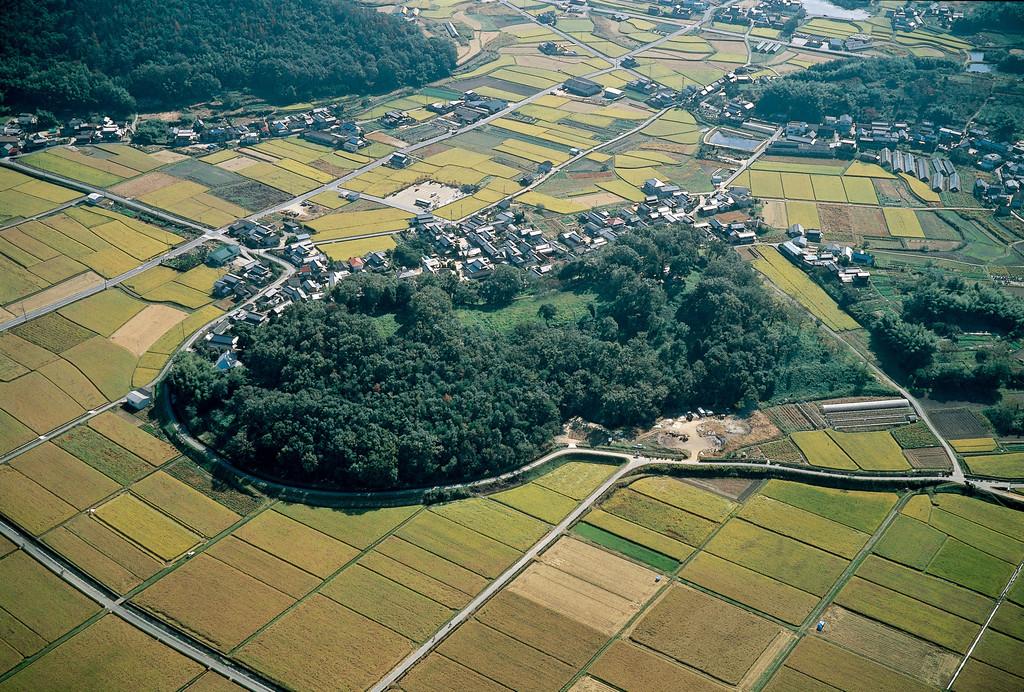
(875, 89)
(114, 56)
(332, 394)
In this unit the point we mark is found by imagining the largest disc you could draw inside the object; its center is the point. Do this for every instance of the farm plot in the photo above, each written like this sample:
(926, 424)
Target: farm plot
(903, 223)
(537, 501)
(1010, 465)
(630, 667)
(860, 510)
(22, 196)
(871, 451)
(801, 566)
(103, 553)
(213, 601)
(56, 255)
(186, 505)
(659, 517)
(820, 449)
(64, 475)
(685, 496)
(112, 655)
(816, 662)
(387, 602)
(797, 284)
(102, 165)
(150, 529)
(804, 526)
(296, 543)
(749, 587)
(803, 213)
(705, 632)
(345, 224)
(339, 648)
(36, 608)
(458, 544)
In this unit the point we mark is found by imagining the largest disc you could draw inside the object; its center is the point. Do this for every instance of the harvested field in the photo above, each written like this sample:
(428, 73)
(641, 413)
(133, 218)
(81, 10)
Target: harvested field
(907, 614)
(575, 598)
(64, 475)
(339, 648)
(39, 599)
(458, 544)
(108, 655)
(141, 331)
(296, 543)
(601, 568)
(685, 496)
(504, 659)
(356, 527)
(261, 565)
(891, 647)
(553, 633)
(436, 673)
(189, 506)
(749, 587)
(858, 509)
(852, 221)
(705, 632)
(804, 526)
(423, 561)
(842, 669)
(793, 563)
(387, 602)
(147, 527)
(629, 667)
(774, 211)
(213, 601)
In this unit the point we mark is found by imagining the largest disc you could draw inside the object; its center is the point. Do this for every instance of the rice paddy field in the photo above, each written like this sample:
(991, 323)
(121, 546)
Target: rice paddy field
(22, 196)
(595, 613)
(801, 288)
(58, 366)
(44, 260)
(308, 596)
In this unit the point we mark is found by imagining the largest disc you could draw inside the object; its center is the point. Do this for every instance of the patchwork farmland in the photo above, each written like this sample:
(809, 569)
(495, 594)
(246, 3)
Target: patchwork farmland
(703, 585)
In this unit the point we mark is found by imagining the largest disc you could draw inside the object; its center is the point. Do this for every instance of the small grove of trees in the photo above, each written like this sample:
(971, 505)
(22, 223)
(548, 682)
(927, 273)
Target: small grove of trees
(327, 397)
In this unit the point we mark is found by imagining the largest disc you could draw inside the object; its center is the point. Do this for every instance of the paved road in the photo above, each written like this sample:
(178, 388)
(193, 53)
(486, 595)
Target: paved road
(148, 624)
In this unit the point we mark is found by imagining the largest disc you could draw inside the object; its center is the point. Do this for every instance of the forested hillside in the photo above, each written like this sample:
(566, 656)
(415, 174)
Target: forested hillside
(328, 396)
(74, 56)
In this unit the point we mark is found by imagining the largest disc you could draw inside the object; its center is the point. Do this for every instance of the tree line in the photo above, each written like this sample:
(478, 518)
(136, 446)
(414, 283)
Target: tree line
(116, 57)
(329, 396)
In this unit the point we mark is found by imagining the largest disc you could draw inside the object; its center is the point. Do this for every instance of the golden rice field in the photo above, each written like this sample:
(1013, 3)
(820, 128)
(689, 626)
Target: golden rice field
(799, 286)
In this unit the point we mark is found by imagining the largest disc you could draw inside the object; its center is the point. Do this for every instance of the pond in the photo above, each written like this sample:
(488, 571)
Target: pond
(824, 8)
(733, 141)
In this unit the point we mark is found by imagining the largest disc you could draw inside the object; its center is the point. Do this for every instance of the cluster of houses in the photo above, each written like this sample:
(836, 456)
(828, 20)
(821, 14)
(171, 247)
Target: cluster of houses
(771, 14)
(20, 133)
(681, 9)
(806, 250)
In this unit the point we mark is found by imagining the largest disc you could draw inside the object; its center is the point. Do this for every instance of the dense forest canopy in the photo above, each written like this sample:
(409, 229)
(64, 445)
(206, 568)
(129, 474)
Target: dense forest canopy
(875, 88)
(327, 396)
(86, 55)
